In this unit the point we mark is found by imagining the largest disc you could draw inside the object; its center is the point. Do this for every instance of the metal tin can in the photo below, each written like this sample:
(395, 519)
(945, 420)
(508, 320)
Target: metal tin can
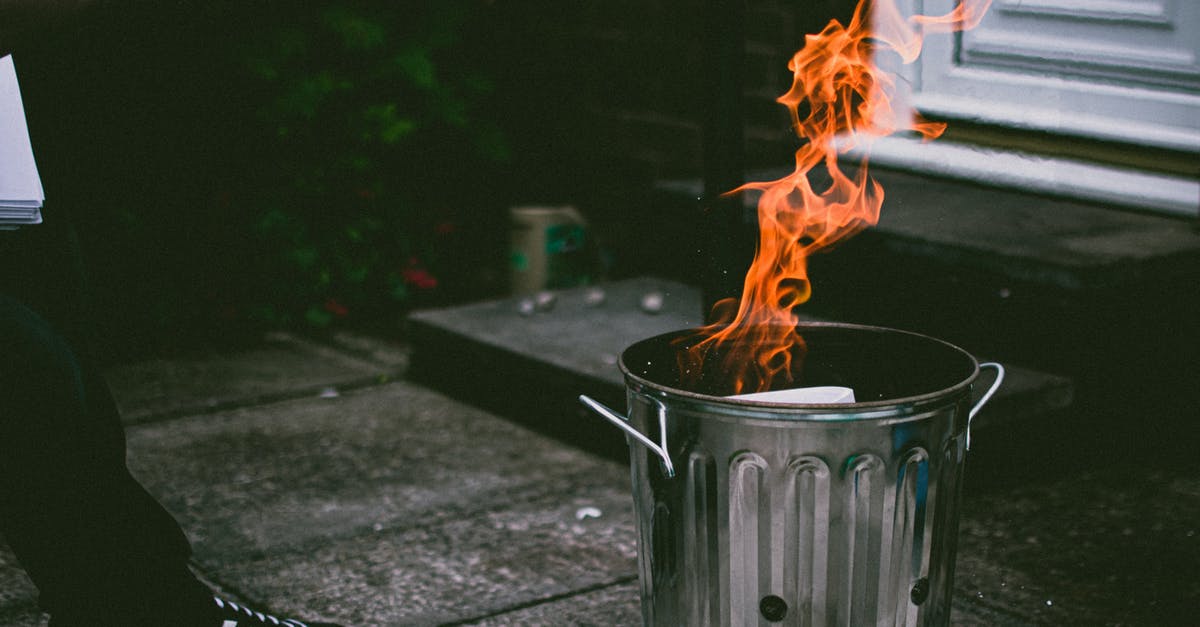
(753, 513)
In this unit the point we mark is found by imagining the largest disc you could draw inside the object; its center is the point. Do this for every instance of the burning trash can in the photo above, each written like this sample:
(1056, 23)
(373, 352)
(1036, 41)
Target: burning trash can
(753, 512)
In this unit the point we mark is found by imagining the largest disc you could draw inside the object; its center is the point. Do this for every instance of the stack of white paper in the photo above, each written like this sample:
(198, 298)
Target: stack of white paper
(21, 193)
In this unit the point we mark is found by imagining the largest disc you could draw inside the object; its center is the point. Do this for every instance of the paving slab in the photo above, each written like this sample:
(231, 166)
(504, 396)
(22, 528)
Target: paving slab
(391, 355)
(1100, 544)
(391, 504)
(619, 604)
(613, 604)
(1115, 546)
(282, 366)
(23, 616)
(18, 596)
(508, 557)
(266, 476)
(369, 502)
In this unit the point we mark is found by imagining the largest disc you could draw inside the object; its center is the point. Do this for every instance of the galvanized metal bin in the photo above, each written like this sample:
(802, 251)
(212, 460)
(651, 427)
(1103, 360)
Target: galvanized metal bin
(753, 513)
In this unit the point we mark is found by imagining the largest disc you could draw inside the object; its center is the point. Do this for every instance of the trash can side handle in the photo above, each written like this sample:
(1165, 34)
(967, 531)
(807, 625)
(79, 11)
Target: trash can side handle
(622, 423)
(986, 396)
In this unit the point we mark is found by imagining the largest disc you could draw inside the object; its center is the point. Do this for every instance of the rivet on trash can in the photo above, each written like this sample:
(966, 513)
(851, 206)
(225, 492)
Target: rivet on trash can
(920, 591)
(773, 608)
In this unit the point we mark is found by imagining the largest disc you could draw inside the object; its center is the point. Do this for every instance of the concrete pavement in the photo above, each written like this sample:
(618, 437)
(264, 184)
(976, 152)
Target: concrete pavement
(313, 476)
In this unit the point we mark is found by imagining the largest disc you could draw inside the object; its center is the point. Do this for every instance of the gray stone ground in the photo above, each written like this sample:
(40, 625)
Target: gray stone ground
(314, 475)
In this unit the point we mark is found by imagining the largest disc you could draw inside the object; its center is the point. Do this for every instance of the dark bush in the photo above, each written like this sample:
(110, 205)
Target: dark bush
(369, 124)
(231, 166)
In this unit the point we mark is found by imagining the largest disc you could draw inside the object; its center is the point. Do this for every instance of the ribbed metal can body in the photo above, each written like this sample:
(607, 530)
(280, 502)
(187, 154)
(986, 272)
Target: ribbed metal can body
(794, 515)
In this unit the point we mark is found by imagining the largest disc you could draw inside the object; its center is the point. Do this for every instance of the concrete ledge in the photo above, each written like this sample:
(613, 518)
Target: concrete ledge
(531, 368)
(1022, 237)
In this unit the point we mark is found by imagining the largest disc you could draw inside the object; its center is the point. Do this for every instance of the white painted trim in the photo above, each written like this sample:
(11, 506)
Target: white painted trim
(1046, 49)
(1152, 13)
(1159, 108)
(1062, 120)
(1056, 176)
(1166, 119)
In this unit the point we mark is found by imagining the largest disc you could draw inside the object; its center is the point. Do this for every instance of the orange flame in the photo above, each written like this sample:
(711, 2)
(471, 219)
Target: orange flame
(838, 96)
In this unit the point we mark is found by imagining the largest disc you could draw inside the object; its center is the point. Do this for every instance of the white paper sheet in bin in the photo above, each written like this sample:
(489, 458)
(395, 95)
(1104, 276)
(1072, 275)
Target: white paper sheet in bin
(820, 395)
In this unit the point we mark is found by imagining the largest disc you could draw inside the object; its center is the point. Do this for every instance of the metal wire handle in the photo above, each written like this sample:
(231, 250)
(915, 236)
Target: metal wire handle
(986, 396)
(623, 424)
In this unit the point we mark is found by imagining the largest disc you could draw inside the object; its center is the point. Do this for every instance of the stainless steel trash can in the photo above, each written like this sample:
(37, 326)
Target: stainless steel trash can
(753, 513)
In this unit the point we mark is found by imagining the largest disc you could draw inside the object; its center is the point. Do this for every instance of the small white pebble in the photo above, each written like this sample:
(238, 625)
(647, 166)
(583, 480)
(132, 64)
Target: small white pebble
(544, 301)
(652, 302)
(329, 392)
(525, 307)
(1049, 602)
(587, 512)
(594, 297)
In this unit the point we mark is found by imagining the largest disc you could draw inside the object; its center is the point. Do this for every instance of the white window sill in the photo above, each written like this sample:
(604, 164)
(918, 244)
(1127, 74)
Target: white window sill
(1164, 193)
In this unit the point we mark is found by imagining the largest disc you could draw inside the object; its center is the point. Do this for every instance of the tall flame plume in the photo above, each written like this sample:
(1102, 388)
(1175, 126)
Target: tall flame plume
(839, 97)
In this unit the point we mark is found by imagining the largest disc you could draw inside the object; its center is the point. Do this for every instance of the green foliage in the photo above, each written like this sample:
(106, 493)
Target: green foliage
(368, 116)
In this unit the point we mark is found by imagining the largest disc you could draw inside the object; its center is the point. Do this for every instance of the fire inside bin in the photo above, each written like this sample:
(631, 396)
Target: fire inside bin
(805, 513)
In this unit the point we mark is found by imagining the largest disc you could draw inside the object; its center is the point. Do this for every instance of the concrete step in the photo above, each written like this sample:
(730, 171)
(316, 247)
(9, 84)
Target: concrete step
(533, 367)
(1021, 237)
(1104, 297)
